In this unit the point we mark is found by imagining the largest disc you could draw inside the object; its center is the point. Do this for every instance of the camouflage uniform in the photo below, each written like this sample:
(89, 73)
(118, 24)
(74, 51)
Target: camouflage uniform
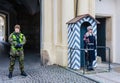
(15, 39)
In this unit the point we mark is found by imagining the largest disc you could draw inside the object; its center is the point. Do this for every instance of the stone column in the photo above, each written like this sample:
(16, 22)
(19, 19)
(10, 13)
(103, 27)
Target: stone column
(67, 14)
(56, 14)
(48, 38)
(86, 7)
(92, 7)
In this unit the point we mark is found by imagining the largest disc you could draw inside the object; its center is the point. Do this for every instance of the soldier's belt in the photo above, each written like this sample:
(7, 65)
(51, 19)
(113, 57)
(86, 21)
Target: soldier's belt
(90, 43)
(18, 49)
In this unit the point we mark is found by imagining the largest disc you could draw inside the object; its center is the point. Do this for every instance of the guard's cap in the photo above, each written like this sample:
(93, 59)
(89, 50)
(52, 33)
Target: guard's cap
(89, 28)
(17, 26)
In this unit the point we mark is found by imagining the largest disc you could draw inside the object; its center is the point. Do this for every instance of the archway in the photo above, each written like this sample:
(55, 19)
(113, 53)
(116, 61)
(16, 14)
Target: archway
(27, 14)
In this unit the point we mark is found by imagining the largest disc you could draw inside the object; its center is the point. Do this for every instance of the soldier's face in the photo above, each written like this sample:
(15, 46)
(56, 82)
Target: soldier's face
(17, 30)
(90, 31)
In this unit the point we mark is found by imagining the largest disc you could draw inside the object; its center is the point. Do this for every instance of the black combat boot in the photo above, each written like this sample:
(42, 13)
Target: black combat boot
(90, 68)
(10, 75)
(23, 73)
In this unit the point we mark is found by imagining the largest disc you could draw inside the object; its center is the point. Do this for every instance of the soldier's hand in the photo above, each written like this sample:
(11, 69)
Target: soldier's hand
(18, 46)
(86, 50)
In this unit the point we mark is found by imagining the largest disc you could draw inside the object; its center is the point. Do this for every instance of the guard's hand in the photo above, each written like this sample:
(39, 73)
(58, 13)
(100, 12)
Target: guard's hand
(86, 50)
(95, 48)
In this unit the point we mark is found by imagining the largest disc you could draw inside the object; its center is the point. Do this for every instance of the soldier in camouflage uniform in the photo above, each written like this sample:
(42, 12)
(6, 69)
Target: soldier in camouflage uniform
(17, 41)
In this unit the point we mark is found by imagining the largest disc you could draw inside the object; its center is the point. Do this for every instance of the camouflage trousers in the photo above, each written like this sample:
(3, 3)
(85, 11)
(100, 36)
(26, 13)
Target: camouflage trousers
(20, 56)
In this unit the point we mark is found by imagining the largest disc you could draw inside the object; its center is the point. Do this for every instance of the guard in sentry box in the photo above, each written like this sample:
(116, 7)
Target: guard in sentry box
(89, 43)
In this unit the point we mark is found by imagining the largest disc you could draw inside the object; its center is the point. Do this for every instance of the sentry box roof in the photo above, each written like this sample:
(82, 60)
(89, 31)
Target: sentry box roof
(76, 19)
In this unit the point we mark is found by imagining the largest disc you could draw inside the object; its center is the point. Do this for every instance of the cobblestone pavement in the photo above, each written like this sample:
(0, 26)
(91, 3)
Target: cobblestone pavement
(39, 74)
(49, 74)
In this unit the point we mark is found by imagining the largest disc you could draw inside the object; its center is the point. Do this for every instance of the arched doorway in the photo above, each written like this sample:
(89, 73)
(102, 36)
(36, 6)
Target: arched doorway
(27, 14)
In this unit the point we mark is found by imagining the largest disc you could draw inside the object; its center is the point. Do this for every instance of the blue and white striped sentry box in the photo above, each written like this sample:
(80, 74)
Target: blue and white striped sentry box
(74, 25)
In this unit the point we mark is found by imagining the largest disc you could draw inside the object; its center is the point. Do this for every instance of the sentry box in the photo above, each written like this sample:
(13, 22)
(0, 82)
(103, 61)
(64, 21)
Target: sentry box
(77, 27)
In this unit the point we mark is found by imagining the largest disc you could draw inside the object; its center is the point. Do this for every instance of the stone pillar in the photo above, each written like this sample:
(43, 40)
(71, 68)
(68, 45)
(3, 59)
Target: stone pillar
(56, 14)
(48, 29)
(86, 7)
(67, 14)
(92, 7)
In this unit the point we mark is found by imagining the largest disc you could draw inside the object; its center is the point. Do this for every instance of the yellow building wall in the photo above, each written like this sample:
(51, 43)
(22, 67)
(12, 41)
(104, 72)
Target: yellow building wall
(55, 15)
(86, 7)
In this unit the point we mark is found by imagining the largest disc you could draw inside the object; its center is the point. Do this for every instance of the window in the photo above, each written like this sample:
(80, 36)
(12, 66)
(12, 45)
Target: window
(2, 29)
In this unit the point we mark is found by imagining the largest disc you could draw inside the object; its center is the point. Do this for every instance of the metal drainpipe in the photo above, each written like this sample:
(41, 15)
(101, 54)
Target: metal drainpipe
(76, 8)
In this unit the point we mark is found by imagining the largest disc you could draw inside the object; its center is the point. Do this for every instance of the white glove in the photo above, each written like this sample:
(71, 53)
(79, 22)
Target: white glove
(86, 50)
